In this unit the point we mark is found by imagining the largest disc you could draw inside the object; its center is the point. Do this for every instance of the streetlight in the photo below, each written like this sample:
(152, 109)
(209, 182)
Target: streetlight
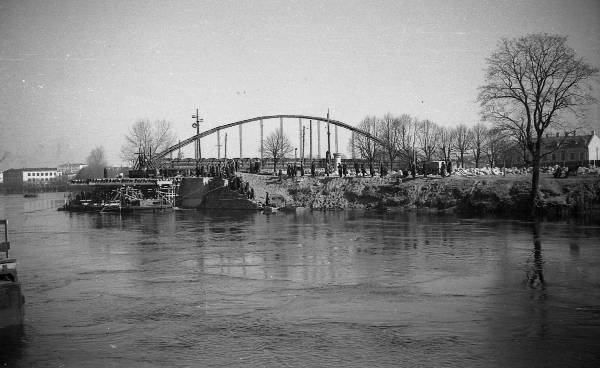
(197, 126)
(295, 155)
(198, 153)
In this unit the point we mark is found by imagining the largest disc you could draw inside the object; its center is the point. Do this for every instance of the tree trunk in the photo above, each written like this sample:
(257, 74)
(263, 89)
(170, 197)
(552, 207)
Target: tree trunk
(535, 184)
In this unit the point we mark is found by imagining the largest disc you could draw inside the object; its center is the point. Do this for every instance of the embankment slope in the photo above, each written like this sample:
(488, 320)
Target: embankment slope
(478, 194)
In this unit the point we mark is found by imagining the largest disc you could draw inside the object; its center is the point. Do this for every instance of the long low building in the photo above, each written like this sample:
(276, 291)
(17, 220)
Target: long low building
(16, 179)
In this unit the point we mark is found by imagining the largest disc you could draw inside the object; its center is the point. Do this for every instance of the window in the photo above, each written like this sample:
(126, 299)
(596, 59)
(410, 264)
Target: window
(581, 156)
(28, 174)
(572, 156)
(553, 157)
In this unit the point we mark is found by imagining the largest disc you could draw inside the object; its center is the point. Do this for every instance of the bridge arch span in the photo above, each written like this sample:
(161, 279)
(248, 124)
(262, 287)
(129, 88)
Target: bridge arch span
(266, 117)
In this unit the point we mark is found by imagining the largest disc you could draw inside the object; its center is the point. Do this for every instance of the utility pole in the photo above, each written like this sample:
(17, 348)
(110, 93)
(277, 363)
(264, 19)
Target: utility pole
(240, 141)
(318, 139)
(328, 140)
(300, 135)
(197, 126)
(303, 137)
(218, 144)
(262, 141)
(225, 145)
(310, 141)
(335, 130)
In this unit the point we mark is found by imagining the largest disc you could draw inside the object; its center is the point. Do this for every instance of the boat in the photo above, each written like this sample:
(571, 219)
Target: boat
(270, 209)
(11, 299)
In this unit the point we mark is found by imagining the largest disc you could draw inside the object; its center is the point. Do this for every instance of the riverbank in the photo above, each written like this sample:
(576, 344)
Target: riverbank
(486, 194)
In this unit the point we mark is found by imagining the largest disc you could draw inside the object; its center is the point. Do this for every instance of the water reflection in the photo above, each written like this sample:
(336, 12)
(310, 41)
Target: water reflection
(535, 271)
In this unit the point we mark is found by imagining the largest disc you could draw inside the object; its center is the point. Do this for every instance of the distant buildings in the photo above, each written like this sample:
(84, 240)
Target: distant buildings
(18, 180)
(70, 170)
(571, 150)
(15, 180)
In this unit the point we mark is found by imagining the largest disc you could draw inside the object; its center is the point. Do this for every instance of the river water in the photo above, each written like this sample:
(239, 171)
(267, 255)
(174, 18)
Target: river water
(312, 289)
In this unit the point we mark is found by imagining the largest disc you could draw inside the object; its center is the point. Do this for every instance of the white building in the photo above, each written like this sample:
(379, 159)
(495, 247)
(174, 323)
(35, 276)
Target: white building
(40, 174)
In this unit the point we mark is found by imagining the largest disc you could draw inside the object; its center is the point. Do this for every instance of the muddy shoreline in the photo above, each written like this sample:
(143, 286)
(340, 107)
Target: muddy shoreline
(505, 196)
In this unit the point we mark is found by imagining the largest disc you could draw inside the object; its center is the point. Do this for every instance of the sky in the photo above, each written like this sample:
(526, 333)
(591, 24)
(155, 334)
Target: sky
(75, 75)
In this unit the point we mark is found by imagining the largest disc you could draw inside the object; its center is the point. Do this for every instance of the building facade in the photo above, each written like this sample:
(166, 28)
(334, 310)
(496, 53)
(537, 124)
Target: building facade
(15, 180)
(571, 150)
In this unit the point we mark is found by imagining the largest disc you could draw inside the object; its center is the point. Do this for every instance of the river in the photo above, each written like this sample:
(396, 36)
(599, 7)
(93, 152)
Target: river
(310, 289)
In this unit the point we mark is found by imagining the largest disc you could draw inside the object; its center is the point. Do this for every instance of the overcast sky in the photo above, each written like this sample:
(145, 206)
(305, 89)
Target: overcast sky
(77, 74)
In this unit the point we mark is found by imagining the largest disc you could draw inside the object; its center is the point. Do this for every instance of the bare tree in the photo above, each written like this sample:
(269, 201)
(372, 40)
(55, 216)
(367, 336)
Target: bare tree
(147, 137)
(530, 81)
(447, 138)
(428, 138)
(496, 144)
(463, 141)
(389, 134)
(364, 146)
(277, 146)
(406, 148)
(479, 138)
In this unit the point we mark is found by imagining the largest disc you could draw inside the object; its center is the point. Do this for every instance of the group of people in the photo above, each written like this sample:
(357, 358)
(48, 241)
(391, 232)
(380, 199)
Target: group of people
(219, 170)
(294, 170)
(236, 183)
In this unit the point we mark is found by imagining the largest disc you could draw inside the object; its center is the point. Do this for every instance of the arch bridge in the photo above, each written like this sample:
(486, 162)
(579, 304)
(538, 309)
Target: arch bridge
(261, 119)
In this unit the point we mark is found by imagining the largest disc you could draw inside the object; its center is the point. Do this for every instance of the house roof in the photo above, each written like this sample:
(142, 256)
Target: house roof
(32, 169)
(39, 169)
(577, 141)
